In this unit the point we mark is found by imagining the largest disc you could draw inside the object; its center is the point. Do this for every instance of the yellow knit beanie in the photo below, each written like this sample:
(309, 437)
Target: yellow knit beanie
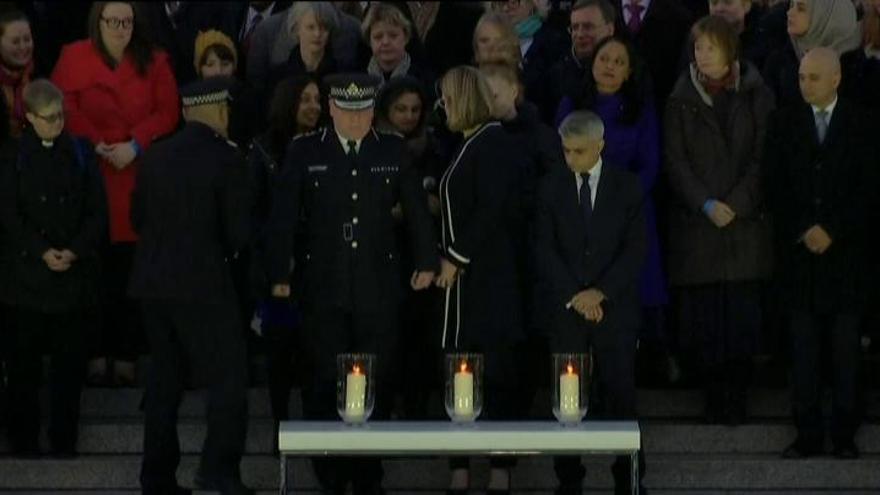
(207, 39)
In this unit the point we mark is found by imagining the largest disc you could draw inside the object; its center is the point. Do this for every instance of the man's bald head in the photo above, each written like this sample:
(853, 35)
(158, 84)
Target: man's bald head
(820, 76)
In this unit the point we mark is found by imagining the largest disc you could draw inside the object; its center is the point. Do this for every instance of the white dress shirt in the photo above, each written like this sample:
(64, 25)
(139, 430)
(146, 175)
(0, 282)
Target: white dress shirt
(344, 142)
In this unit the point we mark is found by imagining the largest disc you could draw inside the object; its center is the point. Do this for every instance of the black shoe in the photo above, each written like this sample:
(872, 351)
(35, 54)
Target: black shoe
(226, 486)
(801, 450)
(26, 450)
(847, 451)
(736, 413)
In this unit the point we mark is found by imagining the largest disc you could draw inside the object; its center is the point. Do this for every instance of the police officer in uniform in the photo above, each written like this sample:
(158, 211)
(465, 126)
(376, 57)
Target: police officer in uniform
(191, 209)
(339, 186)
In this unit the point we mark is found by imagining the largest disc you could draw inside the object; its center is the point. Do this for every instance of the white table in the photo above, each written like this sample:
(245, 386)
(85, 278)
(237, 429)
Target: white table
(443, 438)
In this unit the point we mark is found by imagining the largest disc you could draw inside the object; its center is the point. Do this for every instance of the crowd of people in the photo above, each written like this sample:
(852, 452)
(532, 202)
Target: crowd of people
(514, 178)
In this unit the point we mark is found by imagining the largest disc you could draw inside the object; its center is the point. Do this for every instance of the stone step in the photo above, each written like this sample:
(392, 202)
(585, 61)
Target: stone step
(659, 438)
(762, 403)
(695, 473)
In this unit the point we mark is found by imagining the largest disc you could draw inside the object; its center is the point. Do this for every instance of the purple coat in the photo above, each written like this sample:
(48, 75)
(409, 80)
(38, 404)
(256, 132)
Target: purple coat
(635, 148)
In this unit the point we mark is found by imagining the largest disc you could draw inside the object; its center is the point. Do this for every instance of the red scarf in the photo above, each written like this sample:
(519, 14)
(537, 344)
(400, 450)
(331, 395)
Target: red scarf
(13, 83)
(715, 86)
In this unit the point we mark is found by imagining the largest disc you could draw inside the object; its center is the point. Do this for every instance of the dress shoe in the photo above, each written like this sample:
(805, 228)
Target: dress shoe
(801, 450)
(847, 451)
(225, 485)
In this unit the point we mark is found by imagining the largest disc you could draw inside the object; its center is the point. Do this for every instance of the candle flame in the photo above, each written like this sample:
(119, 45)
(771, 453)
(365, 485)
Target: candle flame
(464, 366)
(356, 370)
(570, 369)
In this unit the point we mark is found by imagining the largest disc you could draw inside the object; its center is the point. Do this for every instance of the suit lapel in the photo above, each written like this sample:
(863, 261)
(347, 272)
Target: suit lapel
(834, 126)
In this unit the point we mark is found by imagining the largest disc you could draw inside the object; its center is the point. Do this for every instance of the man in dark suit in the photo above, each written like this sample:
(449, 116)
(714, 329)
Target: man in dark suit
(591, 21)
(819, 183)
(191, 209)
(336, 193)
(591, 245)
(659, 29)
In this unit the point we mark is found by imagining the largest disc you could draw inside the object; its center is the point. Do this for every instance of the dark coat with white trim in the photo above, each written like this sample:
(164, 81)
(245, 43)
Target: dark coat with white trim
(483, 234)
(350, 261)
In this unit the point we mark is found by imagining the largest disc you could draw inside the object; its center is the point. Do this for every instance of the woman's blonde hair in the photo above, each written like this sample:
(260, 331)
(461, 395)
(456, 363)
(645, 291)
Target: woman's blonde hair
(384, 12)
(469, 98)
(508, 52)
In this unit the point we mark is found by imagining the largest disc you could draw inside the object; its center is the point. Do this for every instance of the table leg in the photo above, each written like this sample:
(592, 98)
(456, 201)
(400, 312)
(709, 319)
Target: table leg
(283, 474)
(634, 472)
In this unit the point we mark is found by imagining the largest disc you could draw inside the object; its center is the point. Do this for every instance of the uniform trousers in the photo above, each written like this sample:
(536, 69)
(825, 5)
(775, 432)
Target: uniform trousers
(327, 333)
(207, 338)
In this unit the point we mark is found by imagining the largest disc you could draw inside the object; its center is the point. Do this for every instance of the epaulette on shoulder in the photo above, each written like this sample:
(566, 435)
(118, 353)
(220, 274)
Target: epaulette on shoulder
(307, 135)
(380, 134)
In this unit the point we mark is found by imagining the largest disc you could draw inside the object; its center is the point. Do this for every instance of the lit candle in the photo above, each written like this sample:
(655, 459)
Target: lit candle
(355, 392)
(464, 392)
(569, 395)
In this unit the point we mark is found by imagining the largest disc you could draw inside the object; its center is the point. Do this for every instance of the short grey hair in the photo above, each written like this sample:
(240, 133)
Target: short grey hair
(325, 13)
(41, 93)
(287, 40)
(582, 123)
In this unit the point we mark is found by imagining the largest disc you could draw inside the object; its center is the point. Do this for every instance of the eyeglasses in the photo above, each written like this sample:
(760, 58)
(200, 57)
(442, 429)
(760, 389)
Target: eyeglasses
(116, 23)
(51, 119)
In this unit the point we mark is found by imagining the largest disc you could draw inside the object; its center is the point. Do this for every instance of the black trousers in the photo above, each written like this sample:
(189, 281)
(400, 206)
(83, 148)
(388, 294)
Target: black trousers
(613, 344)
(122, 333)
(62, 336)
(208, 338)
(813, 335)
(327, 333)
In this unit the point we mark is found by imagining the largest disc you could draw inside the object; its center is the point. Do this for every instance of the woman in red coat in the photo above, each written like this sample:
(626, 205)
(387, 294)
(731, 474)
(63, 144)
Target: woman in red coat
(120, 94)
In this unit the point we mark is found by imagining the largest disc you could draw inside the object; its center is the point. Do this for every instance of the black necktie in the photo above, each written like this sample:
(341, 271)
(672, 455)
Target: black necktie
(584, 196)
(352, 149)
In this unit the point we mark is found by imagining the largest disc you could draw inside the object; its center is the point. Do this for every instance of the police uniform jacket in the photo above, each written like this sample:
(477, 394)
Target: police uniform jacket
(343, 207)
(191, 208)
(50, 197)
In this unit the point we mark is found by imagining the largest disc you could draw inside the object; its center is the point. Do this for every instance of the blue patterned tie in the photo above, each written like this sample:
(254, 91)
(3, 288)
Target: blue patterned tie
(822, 124)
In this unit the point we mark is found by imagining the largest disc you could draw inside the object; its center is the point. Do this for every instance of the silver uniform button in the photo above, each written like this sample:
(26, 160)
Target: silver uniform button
(354, 196)
(354, 220)
(354, 173)
(354, 245)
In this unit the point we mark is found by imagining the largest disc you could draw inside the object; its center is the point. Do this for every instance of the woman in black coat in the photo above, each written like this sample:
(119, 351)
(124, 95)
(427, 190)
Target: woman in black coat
(295, 109)
(481, 233)
(53, 221)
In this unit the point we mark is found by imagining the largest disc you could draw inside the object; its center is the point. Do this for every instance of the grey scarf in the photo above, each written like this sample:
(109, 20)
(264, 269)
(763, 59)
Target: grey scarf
(401, 70)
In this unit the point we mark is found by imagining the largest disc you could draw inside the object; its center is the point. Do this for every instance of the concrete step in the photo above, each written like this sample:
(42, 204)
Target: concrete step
(699, 474)
(659, 438)
(660, 404)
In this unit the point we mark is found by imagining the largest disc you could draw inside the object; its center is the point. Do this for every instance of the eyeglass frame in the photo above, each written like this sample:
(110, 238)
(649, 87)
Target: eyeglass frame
(117, 23)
